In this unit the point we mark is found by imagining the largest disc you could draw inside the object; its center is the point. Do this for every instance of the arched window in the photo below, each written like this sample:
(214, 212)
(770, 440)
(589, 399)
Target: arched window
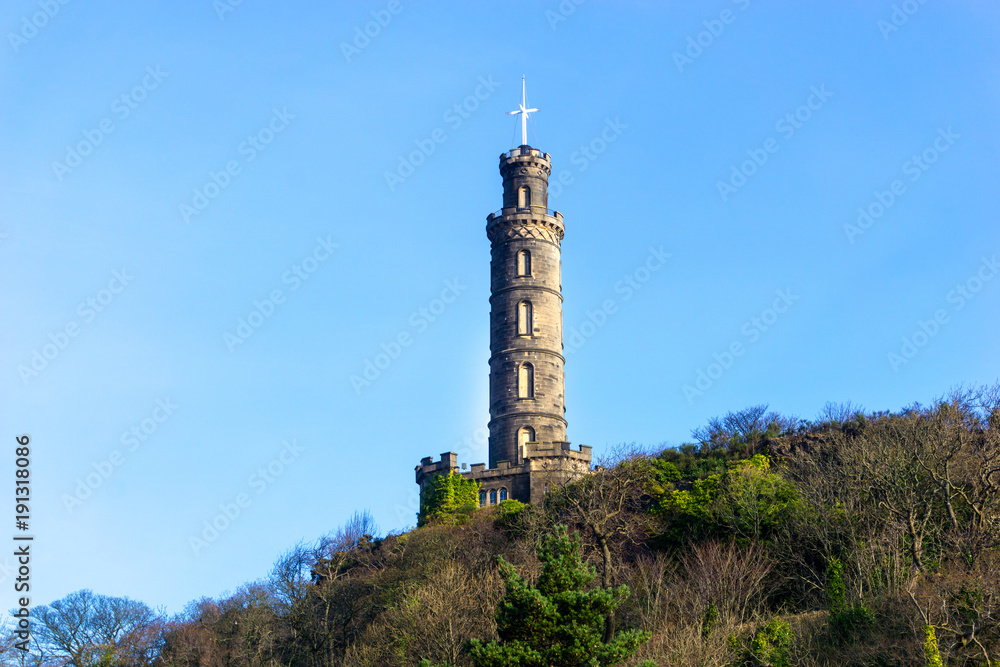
(526, 381)
(525, 435)
(482, 498)
(503, 494)
(523, 263)
(523, 197)
(524, 318)
(493, 496)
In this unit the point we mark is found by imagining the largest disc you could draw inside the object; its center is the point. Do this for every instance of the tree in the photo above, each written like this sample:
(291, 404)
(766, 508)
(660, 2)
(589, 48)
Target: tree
(13, 656)
(83, 628)
(748, 501)
(742, 432)
(933, 473)
(324, 616)
(449, 498)
(189, 639)
(609, 504)
(558, 621)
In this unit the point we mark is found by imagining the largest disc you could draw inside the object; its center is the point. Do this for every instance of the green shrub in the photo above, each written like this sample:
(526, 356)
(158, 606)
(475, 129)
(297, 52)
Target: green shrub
(509, 514)
(709, 619)
(448, 499)
(847, 622)
(769, 646)
(932, 655)
(747, 500)
(836, 592)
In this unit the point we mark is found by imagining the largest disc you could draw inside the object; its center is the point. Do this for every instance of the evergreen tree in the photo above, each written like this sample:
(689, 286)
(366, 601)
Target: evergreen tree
(557, 622)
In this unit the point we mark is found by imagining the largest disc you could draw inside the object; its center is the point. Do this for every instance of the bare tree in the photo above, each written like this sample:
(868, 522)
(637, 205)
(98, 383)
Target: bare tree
(83, 627)
(746, 427)
(889, 462)
(839, 413)
(10, 654)
(290, 576)
(332, 551)
(963, 607)
(728, 576)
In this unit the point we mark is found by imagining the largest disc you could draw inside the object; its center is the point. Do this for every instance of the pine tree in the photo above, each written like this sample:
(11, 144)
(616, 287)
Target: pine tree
(557, 622)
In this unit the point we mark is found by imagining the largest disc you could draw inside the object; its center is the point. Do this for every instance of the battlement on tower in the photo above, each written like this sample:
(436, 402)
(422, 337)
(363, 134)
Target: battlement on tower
(545, 467)
(544, 450)
(428, 467)
(524, 151)
(525, 161)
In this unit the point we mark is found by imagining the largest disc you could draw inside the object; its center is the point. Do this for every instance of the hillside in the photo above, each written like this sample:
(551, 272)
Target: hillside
(856, 539)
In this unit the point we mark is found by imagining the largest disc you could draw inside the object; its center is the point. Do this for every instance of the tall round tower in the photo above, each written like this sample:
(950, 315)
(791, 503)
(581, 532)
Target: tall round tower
(527, 383)
(529, 453)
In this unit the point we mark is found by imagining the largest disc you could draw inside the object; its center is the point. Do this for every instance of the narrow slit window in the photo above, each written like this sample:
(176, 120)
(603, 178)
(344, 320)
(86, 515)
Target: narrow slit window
(523, 263)
(482, 498)
(526, 381)
(493, 497)
(524, 197)
(524, 318)
(524, 436)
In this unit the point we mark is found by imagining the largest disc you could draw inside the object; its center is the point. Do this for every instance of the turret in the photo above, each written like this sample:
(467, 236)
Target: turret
(527, 402)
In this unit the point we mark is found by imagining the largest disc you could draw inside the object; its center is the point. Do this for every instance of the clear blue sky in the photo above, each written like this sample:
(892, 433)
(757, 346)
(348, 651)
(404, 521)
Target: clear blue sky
(644, 127)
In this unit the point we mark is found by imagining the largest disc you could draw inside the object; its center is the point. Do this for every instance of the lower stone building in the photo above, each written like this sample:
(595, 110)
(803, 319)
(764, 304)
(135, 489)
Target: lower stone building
(545, 467)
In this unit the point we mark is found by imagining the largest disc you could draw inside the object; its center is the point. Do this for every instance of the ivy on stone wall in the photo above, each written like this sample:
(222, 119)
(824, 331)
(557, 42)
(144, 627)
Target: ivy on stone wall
(448, 499)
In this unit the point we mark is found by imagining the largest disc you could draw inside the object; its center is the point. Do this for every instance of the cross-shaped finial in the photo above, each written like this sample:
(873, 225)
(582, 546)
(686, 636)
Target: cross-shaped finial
(524, 115)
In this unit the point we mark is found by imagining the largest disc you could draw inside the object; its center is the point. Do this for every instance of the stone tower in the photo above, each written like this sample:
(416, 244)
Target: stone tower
(527, 380)
(528, 450)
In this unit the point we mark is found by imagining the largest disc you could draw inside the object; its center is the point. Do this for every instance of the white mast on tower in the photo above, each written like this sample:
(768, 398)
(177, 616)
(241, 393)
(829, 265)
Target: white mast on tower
(524, 115)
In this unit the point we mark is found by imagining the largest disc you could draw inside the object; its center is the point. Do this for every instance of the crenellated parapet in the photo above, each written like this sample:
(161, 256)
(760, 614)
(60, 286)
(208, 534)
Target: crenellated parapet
(525, 161)
(428, 467)
(544, 467)
(535, 222)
